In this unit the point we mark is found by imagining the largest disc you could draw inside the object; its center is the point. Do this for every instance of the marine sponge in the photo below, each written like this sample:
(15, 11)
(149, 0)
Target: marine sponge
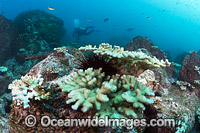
(126, 60)
(116, 96)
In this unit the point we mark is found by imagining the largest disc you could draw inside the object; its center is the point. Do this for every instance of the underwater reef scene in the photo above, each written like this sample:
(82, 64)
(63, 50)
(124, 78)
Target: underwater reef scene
(45, 78)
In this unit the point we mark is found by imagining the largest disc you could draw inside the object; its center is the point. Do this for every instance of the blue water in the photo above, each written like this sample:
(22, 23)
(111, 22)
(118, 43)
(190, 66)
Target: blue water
(173, 25)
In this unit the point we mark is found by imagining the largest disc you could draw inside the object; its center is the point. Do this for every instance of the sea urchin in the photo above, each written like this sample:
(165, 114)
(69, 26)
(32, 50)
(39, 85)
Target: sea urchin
(97, 62)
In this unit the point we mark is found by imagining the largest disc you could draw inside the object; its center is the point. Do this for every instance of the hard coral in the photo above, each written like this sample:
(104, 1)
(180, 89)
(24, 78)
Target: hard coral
(3, 69)
(129, 62)
(27, 88)
(117, 96)
(91, 91)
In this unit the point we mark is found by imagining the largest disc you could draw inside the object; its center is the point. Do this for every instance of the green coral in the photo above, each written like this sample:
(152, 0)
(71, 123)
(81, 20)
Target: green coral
(3, 69)
(116, 96)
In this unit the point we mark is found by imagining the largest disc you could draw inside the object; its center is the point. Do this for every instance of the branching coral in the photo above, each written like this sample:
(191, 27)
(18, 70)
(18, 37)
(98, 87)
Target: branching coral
(126, 60)
(183, 85)
(196, 68)
(3, 69)
(27, 88)
(197, 82)
(116, 96)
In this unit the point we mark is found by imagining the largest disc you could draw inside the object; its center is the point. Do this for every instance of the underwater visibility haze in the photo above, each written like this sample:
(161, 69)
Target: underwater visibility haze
(100, 59)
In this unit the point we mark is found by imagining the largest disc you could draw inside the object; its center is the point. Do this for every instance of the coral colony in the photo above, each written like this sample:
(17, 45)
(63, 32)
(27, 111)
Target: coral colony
(92, 90)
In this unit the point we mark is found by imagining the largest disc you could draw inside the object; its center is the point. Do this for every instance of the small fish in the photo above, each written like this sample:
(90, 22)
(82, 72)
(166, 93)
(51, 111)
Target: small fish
(142, 13)
(148, 17)
(87, 19)
(130, 29)
(154, 47)
(163, 10)
(50, 8)
(106, 19)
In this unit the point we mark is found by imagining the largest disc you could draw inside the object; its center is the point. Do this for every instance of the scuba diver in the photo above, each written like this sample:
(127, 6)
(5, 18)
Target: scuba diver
(78, 31)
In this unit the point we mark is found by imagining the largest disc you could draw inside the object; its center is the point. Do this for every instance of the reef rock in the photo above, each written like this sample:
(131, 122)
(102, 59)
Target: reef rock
(198, 52)
(7, 38)
(5, 79)
(178, 105)
(5, 108)
(189, 70)
(40, 23)
(162, 78)
(39, 33)
(4, 124)
(55, 87)
(54, 66)
(144, 42)
(49, 89)
(5, 104)
(180, 57)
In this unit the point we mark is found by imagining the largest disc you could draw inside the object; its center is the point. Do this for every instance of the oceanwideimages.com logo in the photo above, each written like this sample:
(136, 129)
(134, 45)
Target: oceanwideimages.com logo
(46, 121)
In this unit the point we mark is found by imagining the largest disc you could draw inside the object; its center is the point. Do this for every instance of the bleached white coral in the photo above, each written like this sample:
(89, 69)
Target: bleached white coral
(197, 82)
(183, 85)
(106, 50)
(61, 49)
(196, 68)
(127, 61)
(25, 89)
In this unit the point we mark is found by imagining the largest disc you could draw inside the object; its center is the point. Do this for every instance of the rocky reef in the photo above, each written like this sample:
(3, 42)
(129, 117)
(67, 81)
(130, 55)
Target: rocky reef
(8, 38)
(39, 32)
(32, 32)
(88, 92)
(57, 87)
(132, 82)
(37, 22)
(189, 74)
(145, 43)
(189, 70)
